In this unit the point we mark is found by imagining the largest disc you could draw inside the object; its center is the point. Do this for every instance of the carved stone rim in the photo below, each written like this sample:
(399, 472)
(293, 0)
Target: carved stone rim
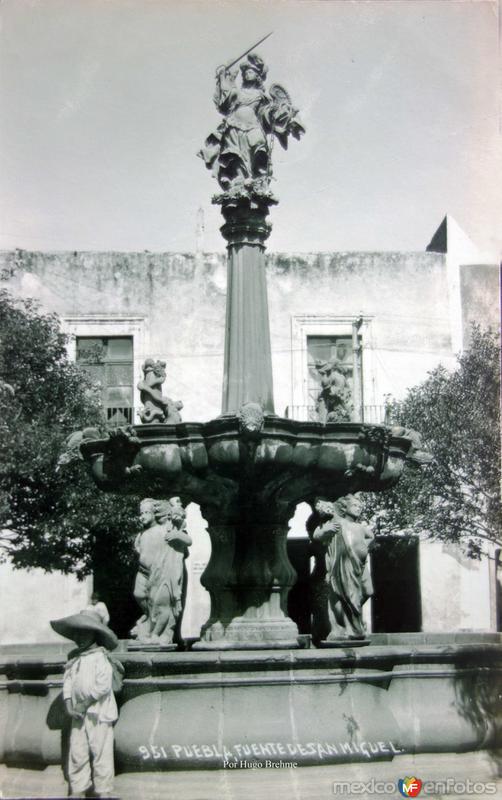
(465, 648)
(228, 427)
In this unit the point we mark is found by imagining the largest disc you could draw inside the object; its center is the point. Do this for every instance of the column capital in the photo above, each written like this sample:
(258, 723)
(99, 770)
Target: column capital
(246, 220)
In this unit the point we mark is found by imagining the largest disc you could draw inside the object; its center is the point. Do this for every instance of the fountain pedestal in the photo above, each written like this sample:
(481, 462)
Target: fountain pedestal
(248, 578)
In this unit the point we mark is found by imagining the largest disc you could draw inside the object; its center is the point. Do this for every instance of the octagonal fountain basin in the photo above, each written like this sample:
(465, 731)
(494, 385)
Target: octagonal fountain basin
(438, 693)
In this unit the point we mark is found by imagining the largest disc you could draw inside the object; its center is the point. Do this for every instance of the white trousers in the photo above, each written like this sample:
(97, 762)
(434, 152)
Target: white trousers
(91, 742)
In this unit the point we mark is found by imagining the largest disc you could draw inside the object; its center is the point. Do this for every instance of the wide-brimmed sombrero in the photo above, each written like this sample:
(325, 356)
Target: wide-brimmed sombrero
(86, 621)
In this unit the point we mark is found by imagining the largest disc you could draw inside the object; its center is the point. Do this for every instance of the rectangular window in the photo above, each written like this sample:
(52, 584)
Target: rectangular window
(339, 350)
(109, 363)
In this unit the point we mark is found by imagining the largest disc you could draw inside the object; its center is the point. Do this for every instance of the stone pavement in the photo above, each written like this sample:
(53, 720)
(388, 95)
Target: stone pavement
(305, 783)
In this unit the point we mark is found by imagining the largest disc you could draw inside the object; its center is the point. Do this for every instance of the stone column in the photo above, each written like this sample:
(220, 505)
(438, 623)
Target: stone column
(248, 361)
(248, 578)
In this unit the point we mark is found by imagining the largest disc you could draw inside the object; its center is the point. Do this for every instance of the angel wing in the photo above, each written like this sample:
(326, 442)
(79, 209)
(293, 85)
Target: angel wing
(284, 115)
(279, 94)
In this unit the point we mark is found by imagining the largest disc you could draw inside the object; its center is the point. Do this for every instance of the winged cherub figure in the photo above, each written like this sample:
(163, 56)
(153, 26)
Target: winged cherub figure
(239, 150)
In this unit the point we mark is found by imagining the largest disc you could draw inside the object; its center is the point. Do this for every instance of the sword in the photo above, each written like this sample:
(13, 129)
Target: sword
(229, 66)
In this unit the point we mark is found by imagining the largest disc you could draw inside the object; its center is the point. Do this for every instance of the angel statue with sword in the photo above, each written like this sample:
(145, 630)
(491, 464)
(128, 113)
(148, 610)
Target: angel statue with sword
(239, 151)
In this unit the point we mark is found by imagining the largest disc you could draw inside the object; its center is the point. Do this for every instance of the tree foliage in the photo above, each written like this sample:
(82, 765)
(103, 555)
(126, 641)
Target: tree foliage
(51, 514)
(457, 497)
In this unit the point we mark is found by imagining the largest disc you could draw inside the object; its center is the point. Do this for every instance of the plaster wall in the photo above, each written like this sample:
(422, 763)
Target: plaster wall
(402, 296)
(455, 590)
(181, 300)
(30, 598)
(198, 603)
(480, 292)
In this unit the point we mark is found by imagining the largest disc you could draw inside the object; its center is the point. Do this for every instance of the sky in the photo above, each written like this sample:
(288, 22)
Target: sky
(104, 104)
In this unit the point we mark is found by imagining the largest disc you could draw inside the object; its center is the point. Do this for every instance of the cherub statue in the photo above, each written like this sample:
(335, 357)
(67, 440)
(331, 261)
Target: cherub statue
(157, 407)
(239, 151)
(334, 402)
(346, 542)
(160, 586)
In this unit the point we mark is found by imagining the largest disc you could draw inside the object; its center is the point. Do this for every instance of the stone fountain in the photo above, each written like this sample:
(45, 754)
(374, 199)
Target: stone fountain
(248, 469)
(253, 698)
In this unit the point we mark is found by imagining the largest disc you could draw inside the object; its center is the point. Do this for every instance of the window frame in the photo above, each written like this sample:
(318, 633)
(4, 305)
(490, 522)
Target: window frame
(331, 325)
(108, 326)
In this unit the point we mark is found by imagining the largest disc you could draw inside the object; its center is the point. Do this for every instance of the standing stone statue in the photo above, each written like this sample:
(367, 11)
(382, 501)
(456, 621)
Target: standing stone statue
(334, 402)
(346, 543)
(157, 407)
(160, 585)
(239, 151)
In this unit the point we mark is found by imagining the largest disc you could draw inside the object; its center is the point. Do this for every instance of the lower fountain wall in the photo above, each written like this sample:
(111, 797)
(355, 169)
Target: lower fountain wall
(242, 709)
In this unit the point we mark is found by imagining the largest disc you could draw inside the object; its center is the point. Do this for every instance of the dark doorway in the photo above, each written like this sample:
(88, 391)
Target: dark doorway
(115, 583)
(396, 605)
(299, 599)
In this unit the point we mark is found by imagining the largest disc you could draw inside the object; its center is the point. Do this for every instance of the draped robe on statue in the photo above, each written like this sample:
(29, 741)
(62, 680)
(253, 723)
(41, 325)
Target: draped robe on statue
(159, 582)
(347, 574)
(238, 151)
(238, 148)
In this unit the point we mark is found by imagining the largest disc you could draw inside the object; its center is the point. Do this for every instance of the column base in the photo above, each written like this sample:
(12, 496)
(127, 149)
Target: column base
(250, 634)
(224, 644)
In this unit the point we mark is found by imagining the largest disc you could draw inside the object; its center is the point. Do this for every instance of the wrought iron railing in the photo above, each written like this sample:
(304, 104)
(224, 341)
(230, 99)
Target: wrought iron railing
(375, 414)
(116, 416)
(301, 413)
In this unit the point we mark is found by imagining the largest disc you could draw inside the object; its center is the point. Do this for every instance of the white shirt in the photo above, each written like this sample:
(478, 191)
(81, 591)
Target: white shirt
(88, 683)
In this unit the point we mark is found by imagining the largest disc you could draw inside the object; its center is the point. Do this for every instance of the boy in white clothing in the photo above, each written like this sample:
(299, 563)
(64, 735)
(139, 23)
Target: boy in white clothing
(90, 702)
